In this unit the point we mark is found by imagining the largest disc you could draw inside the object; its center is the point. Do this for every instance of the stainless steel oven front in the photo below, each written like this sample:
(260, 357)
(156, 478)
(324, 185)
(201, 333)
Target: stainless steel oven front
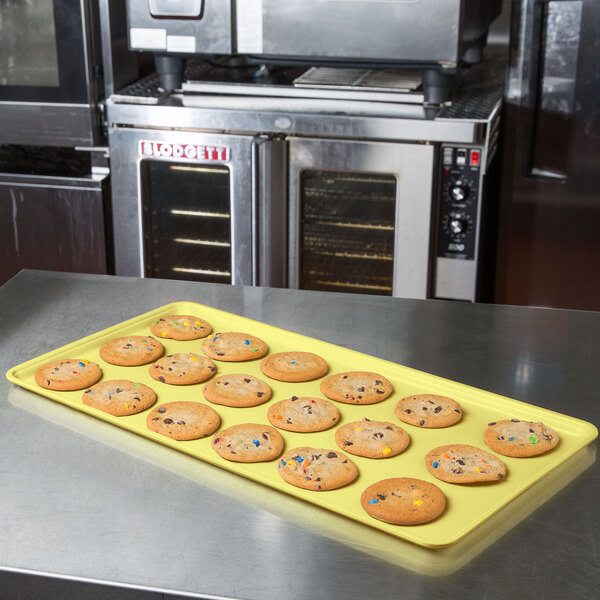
(308, 213)
(188, 205)
(360, 216)
(225, 184)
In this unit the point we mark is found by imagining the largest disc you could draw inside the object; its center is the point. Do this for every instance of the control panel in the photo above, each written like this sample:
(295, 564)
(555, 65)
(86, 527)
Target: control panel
(457, 223)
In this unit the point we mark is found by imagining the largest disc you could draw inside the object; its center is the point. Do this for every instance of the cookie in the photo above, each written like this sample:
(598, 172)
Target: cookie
(119, 397)
(182, 369)
(250, 442)
(131, 351)
(237, 390)
(356, 387)
(316, 469)
(234, 347)
(513, 437)
(68, 374)
(372, 439)
(294, 366)
(304, 414)
(428, 411)
(403, 501)
(459, 463)
(183, 420)
(181, 327)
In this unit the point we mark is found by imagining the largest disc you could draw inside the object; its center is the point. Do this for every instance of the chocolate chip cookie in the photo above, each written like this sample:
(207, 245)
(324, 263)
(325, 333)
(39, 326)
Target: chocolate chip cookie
(234, 347)
(182, 369)
(303, 414)
(131, 351)
(356, 387)
(181, 327)
(183, 420)
(429, 411)
(119, 397)
(403, 501)
(372, 439)
(249, 442)
(316, 469)
(294, 366)
(237, 390)
(460, 463)
(68, 374)
(520, 439)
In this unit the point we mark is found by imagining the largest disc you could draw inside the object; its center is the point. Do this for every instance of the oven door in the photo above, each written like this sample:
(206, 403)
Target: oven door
(47, 80)
(187, 206)
(360, 217)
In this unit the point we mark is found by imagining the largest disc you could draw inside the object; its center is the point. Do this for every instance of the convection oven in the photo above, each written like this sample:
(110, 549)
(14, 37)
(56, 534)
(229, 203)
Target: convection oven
(337, 188)
(431, 36)
(55, 69)
(59, 59)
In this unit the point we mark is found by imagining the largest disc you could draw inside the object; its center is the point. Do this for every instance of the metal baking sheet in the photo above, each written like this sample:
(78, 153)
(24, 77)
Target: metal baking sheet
(469, 507)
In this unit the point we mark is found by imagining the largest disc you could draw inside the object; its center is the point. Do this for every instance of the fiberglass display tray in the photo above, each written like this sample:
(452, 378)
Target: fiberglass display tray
(467, 506)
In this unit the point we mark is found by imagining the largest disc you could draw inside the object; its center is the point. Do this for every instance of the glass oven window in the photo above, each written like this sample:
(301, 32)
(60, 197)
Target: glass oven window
(347, 231)
(28, 43)
(187, 213)
(43, 51)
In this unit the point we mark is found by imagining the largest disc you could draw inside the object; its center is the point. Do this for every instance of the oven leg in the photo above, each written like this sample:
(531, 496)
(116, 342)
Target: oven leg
(437, 85)
(170, 71)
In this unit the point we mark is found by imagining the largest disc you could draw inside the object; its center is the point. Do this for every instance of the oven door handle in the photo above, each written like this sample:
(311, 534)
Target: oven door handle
(556, 101)
(255, 183)
(269, 211)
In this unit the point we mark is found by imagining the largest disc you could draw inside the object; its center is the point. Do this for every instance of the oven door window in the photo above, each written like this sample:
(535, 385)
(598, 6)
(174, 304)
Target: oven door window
(187, 221)
(42, 52)
(347, 231)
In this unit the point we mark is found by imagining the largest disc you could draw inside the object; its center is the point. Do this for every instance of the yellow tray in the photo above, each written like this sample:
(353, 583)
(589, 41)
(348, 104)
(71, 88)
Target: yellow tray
(468, 506)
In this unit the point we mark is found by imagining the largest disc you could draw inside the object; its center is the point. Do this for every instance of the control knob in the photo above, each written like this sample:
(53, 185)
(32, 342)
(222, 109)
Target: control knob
(459, 191)
(457, 225)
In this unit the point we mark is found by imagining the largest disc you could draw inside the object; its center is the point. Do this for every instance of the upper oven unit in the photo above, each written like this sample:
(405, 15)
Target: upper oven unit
(178, 29)
(58, 60)
(434, 36)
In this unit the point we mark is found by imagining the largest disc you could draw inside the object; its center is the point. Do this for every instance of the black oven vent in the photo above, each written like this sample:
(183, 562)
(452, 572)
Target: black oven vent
(348, 232)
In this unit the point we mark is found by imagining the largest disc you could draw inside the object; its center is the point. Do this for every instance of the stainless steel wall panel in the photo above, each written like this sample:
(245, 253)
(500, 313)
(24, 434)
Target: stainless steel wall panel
(243, 114)
(47, 124)
(391, 31)
(52, 223)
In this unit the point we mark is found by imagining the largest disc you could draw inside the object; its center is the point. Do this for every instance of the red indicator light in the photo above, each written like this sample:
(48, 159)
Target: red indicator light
(475, 154)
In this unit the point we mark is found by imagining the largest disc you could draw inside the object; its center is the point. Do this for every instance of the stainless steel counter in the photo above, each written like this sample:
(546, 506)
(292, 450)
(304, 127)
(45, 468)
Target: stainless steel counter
(104, 514)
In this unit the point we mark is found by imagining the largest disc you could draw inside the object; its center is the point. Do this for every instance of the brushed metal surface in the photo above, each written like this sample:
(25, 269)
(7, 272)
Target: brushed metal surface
(393, 30)
(81, 504)
(127, 194)
(212, 32)
(455, 279)
(362, 29)
(31, 123)
(52, 223)
(412, 165)
(217, 113)
(271, 234)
